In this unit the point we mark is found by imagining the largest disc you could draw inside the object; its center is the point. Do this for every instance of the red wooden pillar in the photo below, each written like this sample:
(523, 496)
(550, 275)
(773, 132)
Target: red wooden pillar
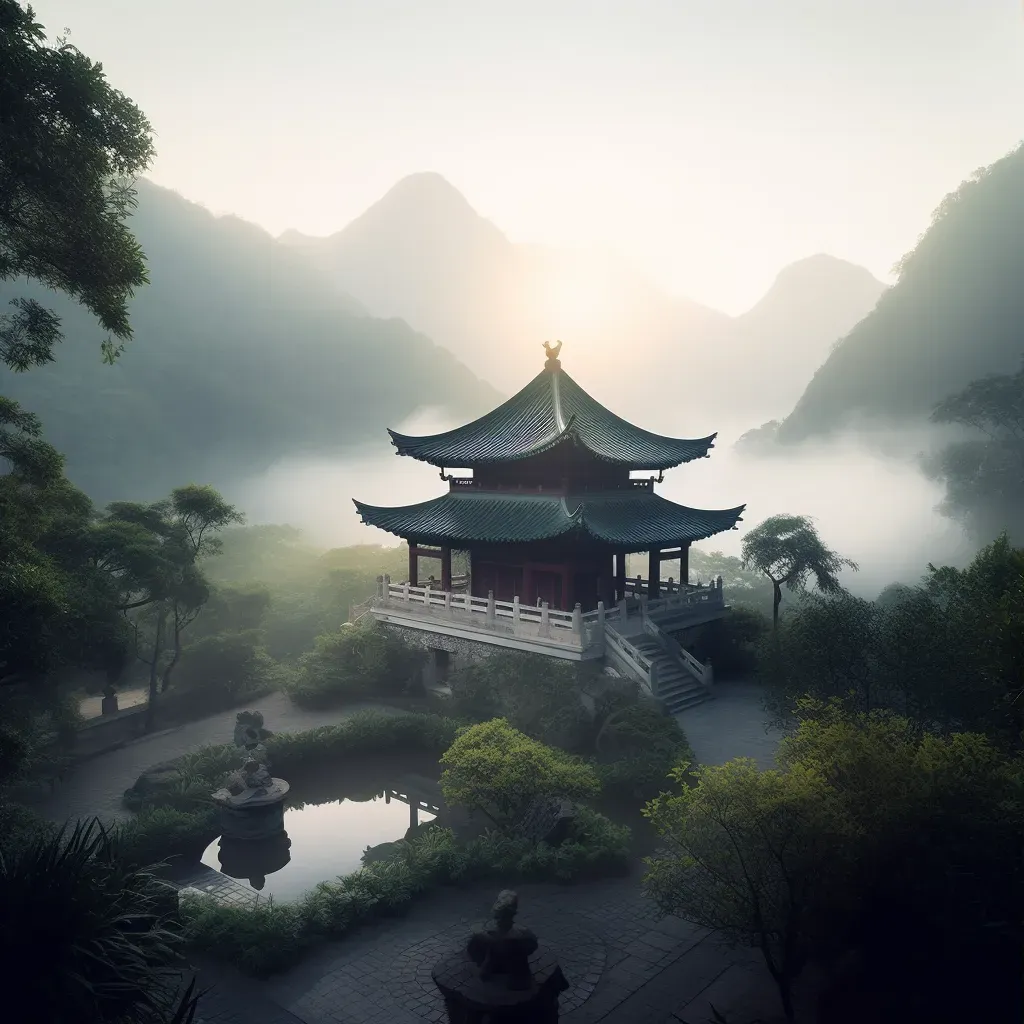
(446, 569)
(414, 566)
(529, 594)
(653, 573)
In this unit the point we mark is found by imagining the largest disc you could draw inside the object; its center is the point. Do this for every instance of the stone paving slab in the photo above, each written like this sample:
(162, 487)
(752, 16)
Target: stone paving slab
(621, 963)
(731, 725)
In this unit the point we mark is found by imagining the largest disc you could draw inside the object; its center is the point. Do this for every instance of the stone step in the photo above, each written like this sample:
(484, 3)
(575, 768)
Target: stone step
(676, 705)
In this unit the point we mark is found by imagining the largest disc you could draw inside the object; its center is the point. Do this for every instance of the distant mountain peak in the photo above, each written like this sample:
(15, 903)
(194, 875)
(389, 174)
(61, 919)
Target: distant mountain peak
(822, 266)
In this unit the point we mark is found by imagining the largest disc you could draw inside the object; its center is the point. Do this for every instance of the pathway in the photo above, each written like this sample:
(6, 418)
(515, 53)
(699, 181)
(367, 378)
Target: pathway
(731, 725)
(96, 786)
(623, 965)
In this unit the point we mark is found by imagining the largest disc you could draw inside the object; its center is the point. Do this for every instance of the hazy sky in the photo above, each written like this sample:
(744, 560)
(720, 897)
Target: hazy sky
(709, 141)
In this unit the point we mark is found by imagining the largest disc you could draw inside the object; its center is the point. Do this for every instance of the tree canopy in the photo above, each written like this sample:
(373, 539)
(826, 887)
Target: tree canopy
(788, 550)
(71, 144)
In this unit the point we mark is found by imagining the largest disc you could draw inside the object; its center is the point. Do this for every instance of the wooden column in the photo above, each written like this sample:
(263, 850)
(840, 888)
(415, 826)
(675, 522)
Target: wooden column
(446, 569)
(414, 566)
(653, 573)
(620, 576)
(684, 563)
(529, 595)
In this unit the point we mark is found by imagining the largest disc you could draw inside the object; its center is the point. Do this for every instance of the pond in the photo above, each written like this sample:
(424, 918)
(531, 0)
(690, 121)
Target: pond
(330, 824)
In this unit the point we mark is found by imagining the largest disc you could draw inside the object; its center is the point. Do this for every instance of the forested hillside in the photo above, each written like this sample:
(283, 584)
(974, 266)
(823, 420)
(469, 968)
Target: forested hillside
(955, 315)
(241, 353)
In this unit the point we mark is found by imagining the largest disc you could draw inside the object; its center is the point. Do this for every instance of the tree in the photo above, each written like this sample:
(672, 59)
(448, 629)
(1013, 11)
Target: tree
(756, 856)
(355, 662)
(181, 531)
(983, 471)
(71, 145)
(938, 877)
(500, 772)
(788, 550)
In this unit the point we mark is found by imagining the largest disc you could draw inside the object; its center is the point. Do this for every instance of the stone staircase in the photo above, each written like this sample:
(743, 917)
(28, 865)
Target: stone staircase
(677, 687)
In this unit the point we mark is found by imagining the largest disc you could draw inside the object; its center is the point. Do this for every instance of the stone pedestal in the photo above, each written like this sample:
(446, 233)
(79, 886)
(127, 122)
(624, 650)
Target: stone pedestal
(502, 975)
(469, 999)
(252, 813)
(254, 859)
(108, 705)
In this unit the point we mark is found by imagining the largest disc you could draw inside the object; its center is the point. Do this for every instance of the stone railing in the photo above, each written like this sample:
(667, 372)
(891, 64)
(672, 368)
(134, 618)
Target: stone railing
(701, 672)
(631, 661)
(508, 617)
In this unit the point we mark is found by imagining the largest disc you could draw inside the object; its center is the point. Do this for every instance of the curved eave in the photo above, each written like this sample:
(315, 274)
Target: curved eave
(629, 522)
(434, 449)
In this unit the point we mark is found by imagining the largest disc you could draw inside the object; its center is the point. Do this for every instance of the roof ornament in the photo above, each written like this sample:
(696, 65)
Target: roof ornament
(552, 351)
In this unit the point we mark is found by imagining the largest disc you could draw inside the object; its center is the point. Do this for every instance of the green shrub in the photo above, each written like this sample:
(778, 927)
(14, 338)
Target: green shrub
(365, 732)
(20, 826)
(222, 671)
(258, 940)
(272, 937)
(500, 771)
(355, 663)
(537, 695)
(103, 930)
(165, 834)
(637, 747)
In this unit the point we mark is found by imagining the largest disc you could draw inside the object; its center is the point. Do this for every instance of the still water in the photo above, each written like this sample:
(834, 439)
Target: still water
(327, 840)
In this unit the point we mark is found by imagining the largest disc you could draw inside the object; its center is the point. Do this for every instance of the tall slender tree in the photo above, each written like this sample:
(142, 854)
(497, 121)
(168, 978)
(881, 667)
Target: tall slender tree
(788, 550)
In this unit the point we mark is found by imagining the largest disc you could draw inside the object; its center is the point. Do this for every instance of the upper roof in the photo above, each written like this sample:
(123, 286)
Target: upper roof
(636, 520)
(552, 409)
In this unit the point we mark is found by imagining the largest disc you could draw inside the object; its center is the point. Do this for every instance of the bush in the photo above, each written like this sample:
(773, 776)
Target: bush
(499, 771)
(537, 695)
(222, 671)
(355, 663)
(164, 835)
(732, 643)
(274, 937)
(637, 747)
(83, 936)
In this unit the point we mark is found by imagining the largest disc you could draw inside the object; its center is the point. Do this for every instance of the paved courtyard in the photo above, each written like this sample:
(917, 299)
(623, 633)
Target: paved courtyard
(623, 965)
(731, 725)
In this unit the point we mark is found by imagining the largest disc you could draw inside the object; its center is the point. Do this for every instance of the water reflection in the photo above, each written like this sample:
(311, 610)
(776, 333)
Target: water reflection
(322, 840)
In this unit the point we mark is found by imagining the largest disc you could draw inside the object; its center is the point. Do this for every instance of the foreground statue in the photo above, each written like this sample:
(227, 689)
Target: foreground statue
(503, 975)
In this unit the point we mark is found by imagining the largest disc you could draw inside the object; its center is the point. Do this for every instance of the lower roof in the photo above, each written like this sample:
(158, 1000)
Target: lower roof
(632, 520)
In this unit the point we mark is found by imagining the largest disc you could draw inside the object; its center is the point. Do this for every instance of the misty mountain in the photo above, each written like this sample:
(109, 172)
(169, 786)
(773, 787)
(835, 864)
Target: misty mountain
(424, 254)
(242, 354)
(954, 315)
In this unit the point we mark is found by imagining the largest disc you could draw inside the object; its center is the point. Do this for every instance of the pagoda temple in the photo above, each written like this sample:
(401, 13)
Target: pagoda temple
(548, 510)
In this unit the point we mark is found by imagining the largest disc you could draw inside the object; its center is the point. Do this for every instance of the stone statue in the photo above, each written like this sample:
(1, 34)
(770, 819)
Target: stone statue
(249, 729)
(503, 951)
(552, 350)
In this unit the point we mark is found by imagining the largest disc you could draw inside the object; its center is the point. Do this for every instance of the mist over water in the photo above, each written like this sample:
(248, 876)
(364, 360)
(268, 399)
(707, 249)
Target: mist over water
(878, 510)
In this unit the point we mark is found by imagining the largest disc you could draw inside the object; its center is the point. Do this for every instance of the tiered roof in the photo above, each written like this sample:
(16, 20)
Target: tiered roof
(630, 520)
(551, 410)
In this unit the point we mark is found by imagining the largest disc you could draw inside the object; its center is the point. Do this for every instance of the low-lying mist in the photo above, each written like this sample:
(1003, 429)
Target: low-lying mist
(878, 510)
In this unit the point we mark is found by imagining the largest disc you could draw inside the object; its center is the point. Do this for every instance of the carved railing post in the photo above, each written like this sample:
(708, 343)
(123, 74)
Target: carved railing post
(405, 591)
(515, 614)
(545, 619)
(600, 626)
(577, 621)
(380, 588)
(709, 675)
(448, 602)
(490, 608)
(653, 676)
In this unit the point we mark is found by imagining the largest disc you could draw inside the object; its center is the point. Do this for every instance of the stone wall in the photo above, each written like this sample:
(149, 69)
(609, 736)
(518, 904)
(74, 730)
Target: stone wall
(460, 652)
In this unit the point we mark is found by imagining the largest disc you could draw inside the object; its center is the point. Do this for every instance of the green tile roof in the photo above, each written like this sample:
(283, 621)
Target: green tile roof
(550, 410)
(636, 520)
